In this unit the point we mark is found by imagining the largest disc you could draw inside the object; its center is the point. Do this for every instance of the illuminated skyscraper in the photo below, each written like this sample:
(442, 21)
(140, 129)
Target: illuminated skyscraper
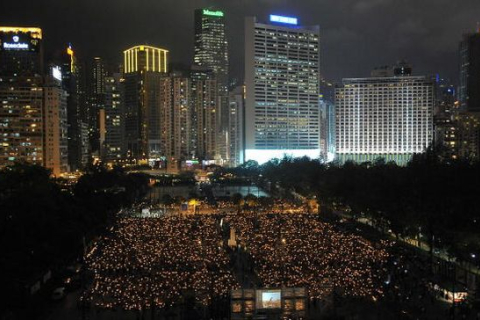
(96, 102)
(73, 81)
(21, 51)
(33, 110)
(282, 64)
(211, 46)
(21, 96)
(384, 117)
(113, 145)
(211, 52)
(55, 137)
(144, 67)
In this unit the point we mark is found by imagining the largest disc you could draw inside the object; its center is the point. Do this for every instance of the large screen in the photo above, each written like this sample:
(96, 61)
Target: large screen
(269, 299)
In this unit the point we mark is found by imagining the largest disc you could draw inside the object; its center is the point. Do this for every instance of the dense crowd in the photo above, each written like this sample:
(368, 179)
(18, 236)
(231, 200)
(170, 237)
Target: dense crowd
(298, 250)
(146, 262)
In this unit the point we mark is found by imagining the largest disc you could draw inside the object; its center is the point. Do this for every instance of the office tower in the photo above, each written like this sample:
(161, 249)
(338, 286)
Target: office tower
(282, 87)
(327, 130)
(384, 117)
(112, 138)
(144, 67)
(211, 46)
(96, 103)
(445, 127)
(327, 121)
(55, 136)
(21, 51)
(73, 82)
(236, 133)
(467, 118)
(211, 52)
(21, 120)
(468, 90)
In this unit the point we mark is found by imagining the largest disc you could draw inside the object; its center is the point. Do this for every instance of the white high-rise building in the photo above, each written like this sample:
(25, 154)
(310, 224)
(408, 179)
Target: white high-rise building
(282, 63)
(384, 117)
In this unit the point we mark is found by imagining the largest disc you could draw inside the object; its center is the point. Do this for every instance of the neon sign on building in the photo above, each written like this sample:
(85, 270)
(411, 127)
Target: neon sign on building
(283, 19)
(207, 12)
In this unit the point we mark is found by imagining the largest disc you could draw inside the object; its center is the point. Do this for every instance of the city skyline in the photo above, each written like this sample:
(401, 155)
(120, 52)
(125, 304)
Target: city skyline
(426, 34)
(267, 159)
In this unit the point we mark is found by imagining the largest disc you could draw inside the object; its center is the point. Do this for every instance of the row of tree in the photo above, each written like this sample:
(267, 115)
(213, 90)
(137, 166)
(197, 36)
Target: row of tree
(430, 198)
(44, 223)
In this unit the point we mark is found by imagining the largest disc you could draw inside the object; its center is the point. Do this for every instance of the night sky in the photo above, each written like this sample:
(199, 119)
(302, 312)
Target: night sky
(356, 35)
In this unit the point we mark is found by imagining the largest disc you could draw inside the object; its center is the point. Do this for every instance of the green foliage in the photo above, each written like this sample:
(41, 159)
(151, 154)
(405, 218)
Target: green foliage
(429, 196)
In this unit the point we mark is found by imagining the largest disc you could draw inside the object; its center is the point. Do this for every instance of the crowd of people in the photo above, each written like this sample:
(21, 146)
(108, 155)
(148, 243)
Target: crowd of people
(157, 261)
(298, 250)
(153, 262)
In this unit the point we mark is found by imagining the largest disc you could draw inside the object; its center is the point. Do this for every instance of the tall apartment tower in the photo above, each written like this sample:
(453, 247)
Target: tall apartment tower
(236, 133)
(387, 117)
(282, 63)
(144, 67)
(55, 125)
(211, 52)
(176, 119)
(181, 117)
(206, 104)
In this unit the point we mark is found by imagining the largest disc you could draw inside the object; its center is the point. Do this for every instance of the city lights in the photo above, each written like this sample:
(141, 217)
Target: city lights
(196, 161)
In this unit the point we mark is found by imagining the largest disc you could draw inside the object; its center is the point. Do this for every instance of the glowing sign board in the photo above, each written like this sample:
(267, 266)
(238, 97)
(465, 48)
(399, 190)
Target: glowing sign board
(57, 73)
(283, 19)
(20, 39)
(15, 46)
(207, 12)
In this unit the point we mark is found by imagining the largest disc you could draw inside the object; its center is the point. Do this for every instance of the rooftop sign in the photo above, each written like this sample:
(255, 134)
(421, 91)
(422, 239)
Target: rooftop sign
(207, 12)
(282, 19)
